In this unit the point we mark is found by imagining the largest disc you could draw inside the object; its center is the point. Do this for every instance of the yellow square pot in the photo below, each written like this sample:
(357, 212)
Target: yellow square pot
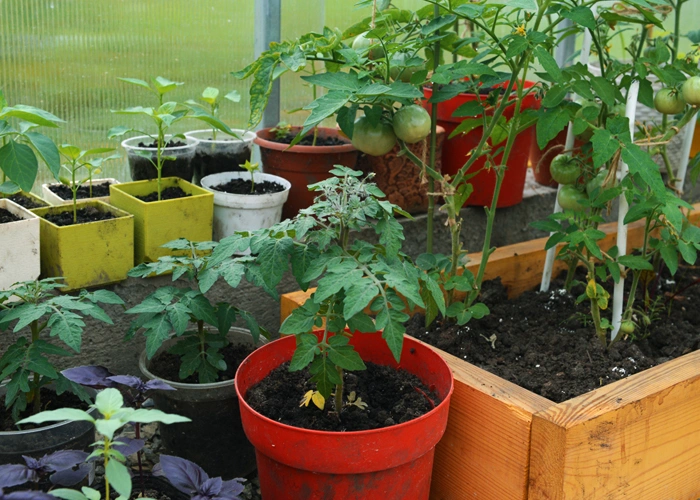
(90, 254)
(159, 222)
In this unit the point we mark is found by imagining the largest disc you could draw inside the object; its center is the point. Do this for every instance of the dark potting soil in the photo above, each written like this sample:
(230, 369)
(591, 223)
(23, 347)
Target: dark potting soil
(170, 193)
(392, 397)
(49, 401)
(98, 190)
(24, 201)
(308, 140)
(171, 144)
(242, 186)
(167, 365)
(85, 215)
(540, 341)
(207, 162)
(7, 216)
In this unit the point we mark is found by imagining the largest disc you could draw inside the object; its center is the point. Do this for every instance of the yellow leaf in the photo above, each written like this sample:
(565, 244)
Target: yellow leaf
(318, 400)
(306, 398)
(591, 289)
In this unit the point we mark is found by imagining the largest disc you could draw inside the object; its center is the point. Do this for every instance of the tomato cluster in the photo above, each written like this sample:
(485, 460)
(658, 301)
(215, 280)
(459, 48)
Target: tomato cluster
(410, 124)
(671, 101)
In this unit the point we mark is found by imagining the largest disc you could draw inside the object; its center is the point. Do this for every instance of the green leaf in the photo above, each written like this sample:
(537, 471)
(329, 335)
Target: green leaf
(358, 296)
(548, 64)
(109, 401)
(604, 89)
(119, 477)
(549, 124)
(555, 95)
(361, 322)
(669, 254)
(31, 114)
(393, 335)
(348, 82)
(604, 146)
(301, 320)
(479, 310)
(59, 415)
(307, 348)
(19, 164)
(147, 416)
(332, 283)
(635, 262)
(163, 85)
(640, 163)
(437, 23)
(324, 375)
(581, 15)
(260, 89)
(344, 355)
(469, 109)
(47, 150)
(518, 45)
(136, 81)
(322, 108)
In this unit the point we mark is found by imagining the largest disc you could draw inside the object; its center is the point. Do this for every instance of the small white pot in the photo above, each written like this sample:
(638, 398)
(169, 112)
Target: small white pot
(19, 246)
(223, 154)
(245, 212)
(54, 199)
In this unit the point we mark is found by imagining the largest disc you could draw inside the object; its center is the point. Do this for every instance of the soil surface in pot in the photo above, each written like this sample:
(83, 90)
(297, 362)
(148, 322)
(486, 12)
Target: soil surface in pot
(24, 201)
(171, 193)
(7, 216)
(85, 215)
(242, 186)
(392, 397)
(539, 341)
(308, 140)
(171, 144)
(98, 191)
(49, 401)
(167, 366)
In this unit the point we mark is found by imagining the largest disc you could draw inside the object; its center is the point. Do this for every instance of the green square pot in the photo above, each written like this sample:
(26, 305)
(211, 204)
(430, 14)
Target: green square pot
(90, 254)
(159, 222)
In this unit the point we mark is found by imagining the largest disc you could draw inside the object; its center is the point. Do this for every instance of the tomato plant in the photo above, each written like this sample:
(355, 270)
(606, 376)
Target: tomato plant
(669, 101)
(691, 91)
(570, 198)
(411, 123)
(373, 139)
(565, 169)
(596, 183)
(363, 44)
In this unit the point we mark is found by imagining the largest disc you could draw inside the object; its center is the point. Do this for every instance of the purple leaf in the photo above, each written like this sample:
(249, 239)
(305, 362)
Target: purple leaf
(26, 495)
(230, 490)
(211, 487)
(69, 477)
(159, 385)
(91, 376)
(64, 459)
(128, 380)
(16, 474)
(128, 446)
(186, 476)
(33, 463)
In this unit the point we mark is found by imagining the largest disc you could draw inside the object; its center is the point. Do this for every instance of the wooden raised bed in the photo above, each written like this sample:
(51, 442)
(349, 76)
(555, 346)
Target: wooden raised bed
(636, 438)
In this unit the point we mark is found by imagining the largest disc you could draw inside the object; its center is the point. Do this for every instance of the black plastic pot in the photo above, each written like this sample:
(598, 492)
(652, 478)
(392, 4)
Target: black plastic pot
(44, 440)
(214, 439)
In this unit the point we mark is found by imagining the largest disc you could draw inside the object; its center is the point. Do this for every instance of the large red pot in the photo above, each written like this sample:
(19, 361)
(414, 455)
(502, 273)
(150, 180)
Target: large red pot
(455, 151)
(391, 463)
(303, 165)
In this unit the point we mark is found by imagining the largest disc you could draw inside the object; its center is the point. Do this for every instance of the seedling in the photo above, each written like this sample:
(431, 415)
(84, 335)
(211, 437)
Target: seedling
(251, 168)
(78, 160)
(110, 404)
(212, 102)
(27, 362)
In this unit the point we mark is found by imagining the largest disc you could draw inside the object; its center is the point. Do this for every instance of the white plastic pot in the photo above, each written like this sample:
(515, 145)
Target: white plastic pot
(19, 246)
(54, 199)
(245, 212)
(179, 164)
(223, 154)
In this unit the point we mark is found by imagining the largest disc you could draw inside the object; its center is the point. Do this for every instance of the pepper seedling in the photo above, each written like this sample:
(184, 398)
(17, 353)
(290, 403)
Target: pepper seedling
(212, 102)
(251, 168)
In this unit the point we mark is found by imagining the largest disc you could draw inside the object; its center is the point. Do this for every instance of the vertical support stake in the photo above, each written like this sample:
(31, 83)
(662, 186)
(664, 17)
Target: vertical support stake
(268, 17)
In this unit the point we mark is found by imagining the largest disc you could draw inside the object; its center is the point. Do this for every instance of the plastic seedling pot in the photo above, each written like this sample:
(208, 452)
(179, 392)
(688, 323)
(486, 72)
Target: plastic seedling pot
(394, 462)
(245, 212)
(223, 154)
(303, 165)
(214, 439)
(55, 199)
(19, 246)
(141, 167)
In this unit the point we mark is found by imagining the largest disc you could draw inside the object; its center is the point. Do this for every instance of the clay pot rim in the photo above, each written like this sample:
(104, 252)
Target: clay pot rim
(262, 141)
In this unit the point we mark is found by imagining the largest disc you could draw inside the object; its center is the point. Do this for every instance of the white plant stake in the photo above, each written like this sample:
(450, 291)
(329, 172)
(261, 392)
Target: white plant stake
(685, 155)
(568, 146)
(619, 290)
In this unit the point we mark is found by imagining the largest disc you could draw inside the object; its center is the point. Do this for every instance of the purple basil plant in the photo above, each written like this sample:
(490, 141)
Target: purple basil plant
(26, 495)
(62, 468)
(191, 479)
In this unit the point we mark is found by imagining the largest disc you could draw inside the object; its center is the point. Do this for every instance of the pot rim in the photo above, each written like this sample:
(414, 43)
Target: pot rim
(191, 143)
(248, 136)
(416, 344)
(261, 141)
(67, 207)
(257, 176)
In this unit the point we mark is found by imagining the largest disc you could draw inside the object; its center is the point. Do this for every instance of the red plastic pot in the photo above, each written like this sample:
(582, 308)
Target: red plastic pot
(455, 151)
(303, 165)
(391, 463)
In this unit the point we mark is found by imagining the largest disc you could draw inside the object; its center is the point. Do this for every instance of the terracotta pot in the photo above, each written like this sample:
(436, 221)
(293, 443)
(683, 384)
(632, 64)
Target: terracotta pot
(540, 159)
(303, 165)
(393, 462)
(399, 178)
(455, 151)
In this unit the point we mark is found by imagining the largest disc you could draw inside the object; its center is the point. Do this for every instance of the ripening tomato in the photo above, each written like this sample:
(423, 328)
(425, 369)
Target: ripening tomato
(691, 91)
(570, 198)
(411, 123)
(565, 169)
(361, 43)
(375, 140)
(669, 101)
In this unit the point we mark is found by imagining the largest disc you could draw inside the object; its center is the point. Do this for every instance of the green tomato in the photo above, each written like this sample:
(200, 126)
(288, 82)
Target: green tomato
(375, 140)
(570, 198)
(691, 90)
(398, 70)
(565, 169)
(627, 327)
(669, 101)
(411, 123)
(361, 43)
(596, 183)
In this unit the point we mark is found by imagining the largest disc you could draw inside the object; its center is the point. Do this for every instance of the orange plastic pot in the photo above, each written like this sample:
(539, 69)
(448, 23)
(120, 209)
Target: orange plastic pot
(394, 462)
(456, 151)
(303, 165)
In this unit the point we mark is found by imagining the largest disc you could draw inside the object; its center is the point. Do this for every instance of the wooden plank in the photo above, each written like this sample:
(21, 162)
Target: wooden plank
(636, 438)
(485, 450)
